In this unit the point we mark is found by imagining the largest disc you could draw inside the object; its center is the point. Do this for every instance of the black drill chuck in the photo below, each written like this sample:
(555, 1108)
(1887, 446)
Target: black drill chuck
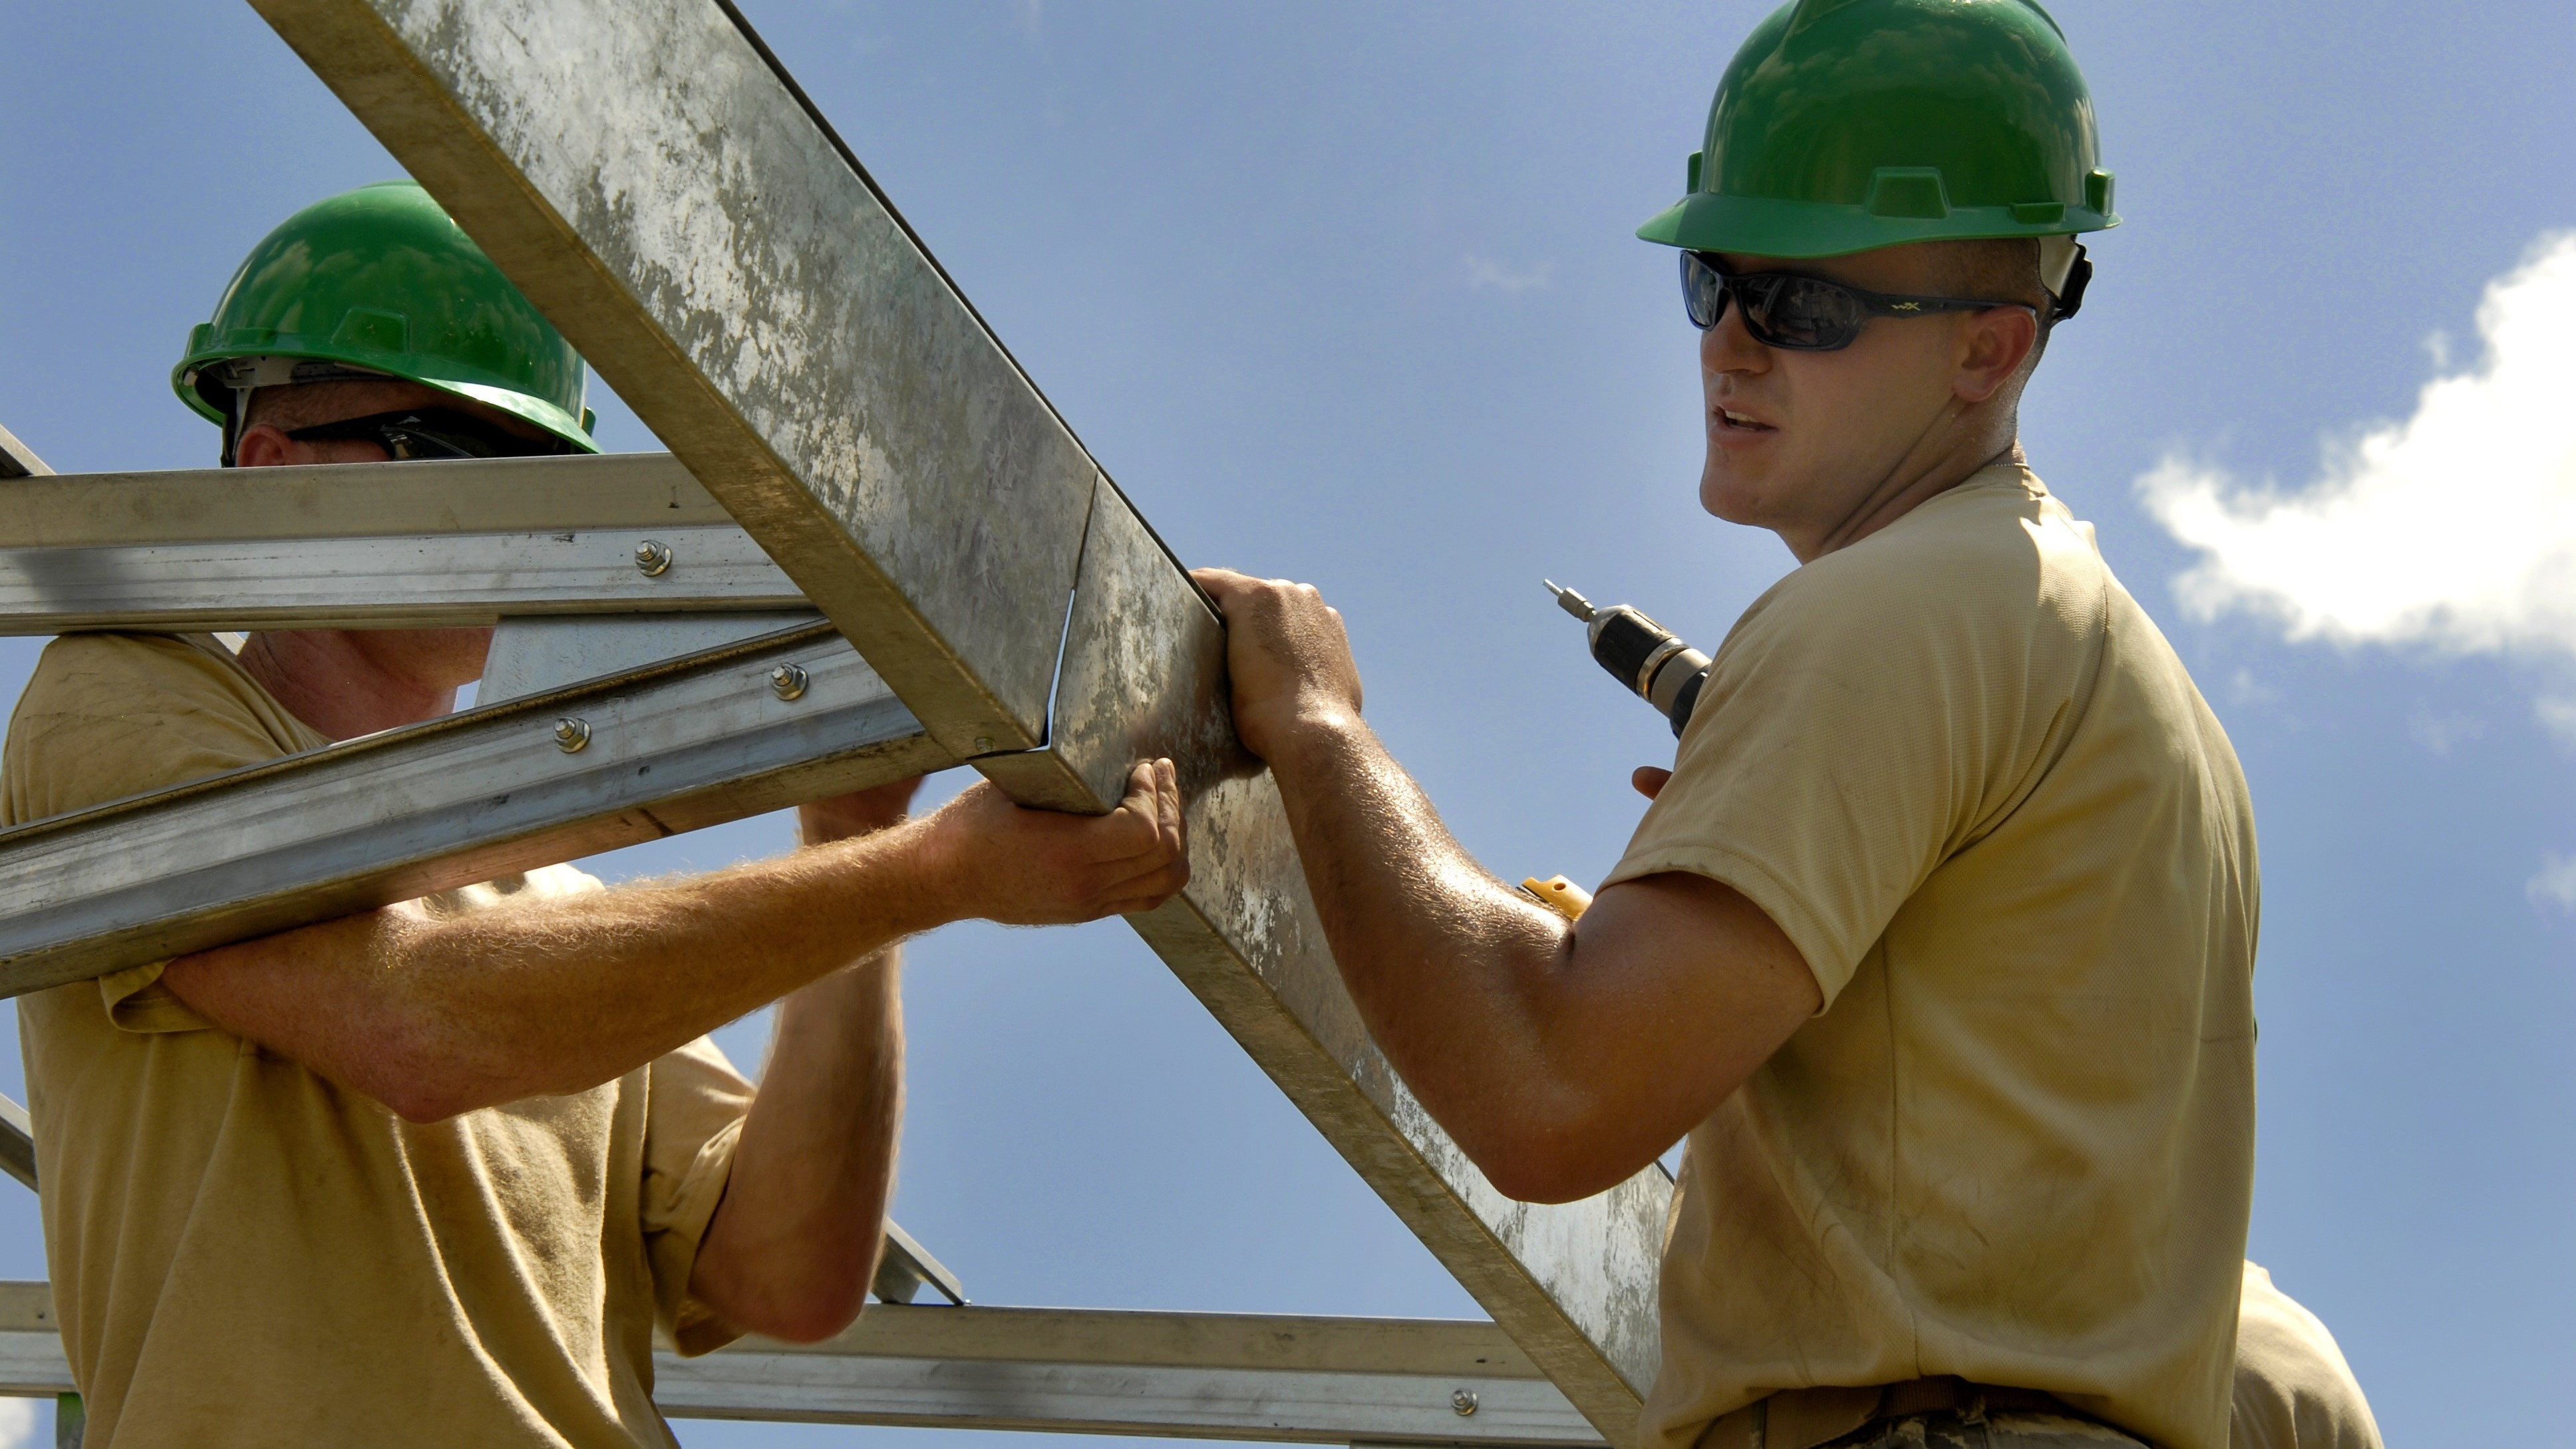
(1642, 655)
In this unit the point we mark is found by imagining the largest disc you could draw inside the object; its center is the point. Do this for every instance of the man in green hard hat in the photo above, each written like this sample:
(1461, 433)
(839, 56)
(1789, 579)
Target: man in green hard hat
(1937, 940)
(441, 1173)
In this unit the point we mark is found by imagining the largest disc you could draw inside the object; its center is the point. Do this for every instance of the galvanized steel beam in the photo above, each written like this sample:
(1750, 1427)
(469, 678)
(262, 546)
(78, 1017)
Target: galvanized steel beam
(17, 460)
(420, 581)
(652, 181)
(1201, 1375)
(638, 491)
(392, 816)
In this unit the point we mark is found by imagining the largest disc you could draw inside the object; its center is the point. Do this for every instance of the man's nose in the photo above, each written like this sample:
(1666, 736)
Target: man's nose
(1727, 347)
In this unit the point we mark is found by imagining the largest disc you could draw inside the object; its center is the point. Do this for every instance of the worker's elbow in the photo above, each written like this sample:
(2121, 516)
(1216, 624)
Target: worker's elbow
(1541, 1165)
(804, 1302)
(1550, 1182)
(425, 1099)
(424, 1077)
(812, 1317)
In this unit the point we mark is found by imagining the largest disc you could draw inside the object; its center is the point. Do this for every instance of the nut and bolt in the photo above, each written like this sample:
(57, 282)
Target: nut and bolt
(572, 736)
(983, 743)
(653, 558)
(1464, 1401)
(788, 681)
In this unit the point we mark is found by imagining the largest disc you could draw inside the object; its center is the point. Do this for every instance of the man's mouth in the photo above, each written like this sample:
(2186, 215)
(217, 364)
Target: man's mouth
(1740, 422)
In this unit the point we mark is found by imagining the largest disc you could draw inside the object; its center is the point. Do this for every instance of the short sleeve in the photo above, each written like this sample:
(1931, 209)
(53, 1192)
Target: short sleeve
(108, 716)
(695, 1106)
(2293, 1388)
(1856, 728)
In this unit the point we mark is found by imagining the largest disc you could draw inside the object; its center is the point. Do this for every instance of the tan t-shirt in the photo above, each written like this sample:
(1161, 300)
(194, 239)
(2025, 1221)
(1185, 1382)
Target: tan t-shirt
(245, 1254)
(2293, 1388)
(1960, 767)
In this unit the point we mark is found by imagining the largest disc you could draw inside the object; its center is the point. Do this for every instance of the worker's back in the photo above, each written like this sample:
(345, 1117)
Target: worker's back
(1967, 776)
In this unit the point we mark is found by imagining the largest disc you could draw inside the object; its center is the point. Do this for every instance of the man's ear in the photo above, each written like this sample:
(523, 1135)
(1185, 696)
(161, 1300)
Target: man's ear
(262, 445)
(1993, 344)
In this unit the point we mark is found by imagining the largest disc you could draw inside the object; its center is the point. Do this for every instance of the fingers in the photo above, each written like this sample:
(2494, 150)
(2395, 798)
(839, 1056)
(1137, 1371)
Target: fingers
(1650, 780)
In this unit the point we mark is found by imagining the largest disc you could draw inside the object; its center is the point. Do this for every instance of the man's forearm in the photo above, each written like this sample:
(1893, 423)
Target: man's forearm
(1449, 967)
(434, 1017)
(794, 1245)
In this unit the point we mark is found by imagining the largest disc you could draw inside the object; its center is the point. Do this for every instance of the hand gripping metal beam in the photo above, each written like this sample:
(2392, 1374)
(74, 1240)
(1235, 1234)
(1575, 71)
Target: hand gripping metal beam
(652, 180)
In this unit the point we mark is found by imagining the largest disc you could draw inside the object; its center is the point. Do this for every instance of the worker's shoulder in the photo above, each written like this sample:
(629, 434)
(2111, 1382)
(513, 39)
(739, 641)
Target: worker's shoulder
(126, 674)
(1994, 562)
(2294, 1389)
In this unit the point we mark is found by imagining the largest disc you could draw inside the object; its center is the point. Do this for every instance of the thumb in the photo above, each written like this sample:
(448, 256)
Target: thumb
(1650, 780)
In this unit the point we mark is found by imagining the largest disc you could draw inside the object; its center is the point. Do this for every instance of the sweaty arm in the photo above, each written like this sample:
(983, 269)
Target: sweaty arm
(1562, 1056)
(435, 1016)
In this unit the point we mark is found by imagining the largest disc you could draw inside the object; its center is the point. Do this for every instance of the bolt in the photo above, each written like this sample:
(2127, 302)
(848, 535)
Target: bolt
(653, 557)
(983, 742)
(788, 681)
(572, 736)
(1464, 1401)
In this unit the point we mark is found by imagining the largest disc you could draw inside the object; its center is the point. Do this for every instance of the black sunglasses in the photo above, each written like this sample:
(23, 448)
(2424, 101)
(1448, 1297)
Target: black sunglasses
(429, 433)
(1802, 314)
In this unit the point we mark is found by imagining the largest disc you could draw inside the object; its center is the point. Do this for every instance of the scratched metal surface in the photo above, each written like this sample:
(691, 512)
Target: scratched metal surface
(641, 173)
(662, 196)
(1144, 675)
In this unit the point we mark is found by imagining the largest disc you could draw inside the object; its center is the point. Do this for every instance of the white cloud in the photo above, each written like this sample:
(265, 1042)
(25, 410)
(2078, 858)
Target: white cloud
(2555, 885)
(1485, 272)
(2439, 733)
(2558, 716)
(17, 1423)
(2455, 527)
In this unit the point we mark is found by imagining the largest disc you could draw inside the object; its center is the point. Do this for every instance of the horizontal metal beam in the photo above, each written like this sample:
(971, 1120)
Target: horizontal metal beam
(416, 582)
(1197, 1375)
(610, 491)
(649, 177)
(677, 746)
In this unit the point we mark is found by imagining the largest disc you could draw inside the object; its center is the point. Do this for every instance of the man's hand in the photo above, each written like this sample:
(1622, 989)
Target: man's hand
(1023, 867)
(1290, 661)
(1650, 780)
(861, 812)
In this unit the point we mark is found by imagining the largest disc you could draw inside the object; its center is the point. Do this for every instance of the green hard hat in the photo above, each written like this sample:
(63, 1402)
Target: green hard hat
(379, 282)
(1844, 125)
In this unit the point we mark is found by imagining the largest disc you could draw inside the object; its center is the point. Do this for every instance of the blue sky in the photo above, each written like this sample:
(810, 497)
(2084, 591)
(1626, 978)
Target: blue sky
(1347, 293)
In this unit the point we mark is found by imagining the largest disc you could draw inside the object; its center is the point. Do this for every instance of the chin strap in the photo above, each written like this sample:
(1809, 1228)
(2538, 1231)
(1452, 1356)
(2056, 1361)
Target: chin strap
(2066, 269)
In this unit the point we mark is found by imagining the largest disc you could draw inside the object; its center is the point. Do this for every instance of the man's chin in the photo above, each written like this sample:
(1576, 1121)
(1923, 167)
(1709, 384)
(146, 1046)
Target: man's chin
(1725, 494)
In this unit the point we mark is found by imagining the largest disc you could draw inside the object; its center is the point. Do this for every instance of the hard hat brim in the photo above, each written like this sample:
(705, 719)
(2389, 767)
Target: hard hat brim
(1770, 227)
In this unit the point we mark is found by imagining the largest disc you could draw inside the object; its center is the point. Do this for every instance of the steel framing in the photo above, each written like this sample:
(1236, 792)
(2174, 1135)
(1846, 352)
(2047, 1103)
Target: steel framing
(848, 436)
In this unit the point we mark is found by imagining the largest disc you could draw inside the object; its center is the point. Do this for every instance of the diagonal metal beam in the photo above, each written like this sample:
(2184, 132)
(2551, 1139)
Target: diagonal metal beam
(650, 178)
(673, 747)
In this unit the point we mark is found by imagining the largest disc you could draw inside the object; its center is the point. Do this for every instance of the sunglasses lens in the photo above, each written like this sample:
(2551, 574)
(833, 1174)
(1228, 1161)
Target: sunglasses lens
(1703, 292)
(1804, 314)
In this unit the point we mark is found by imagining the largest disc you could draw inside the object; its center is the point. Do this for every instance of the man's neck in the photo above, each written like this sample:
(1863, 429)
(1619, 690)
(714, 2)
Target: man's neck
(1906, 488)
(329, 680)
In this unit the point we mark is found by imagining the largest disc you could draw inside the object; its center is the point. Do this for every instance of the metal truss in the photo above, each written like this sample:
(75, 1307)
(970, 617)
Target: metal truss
(850, 441)
(1196, 1375)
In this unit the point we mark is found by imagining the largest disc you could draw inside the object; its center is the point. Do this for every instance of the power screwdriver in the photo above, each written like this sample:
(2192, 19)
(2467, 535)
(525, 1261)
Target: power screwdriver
(1641, 654)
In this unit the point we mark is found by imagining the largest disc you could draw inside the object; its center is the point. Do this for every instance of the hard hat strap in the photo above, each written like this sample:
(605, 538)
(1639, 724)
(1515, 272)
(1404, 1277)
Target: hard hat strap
(243, 376)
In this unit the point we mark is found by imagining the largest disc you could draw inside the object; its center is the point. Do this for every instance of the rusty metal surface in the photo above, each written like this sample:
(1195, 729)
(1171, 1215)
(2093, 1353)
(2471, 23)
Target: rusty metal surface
(462, 799)
(642, 174)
